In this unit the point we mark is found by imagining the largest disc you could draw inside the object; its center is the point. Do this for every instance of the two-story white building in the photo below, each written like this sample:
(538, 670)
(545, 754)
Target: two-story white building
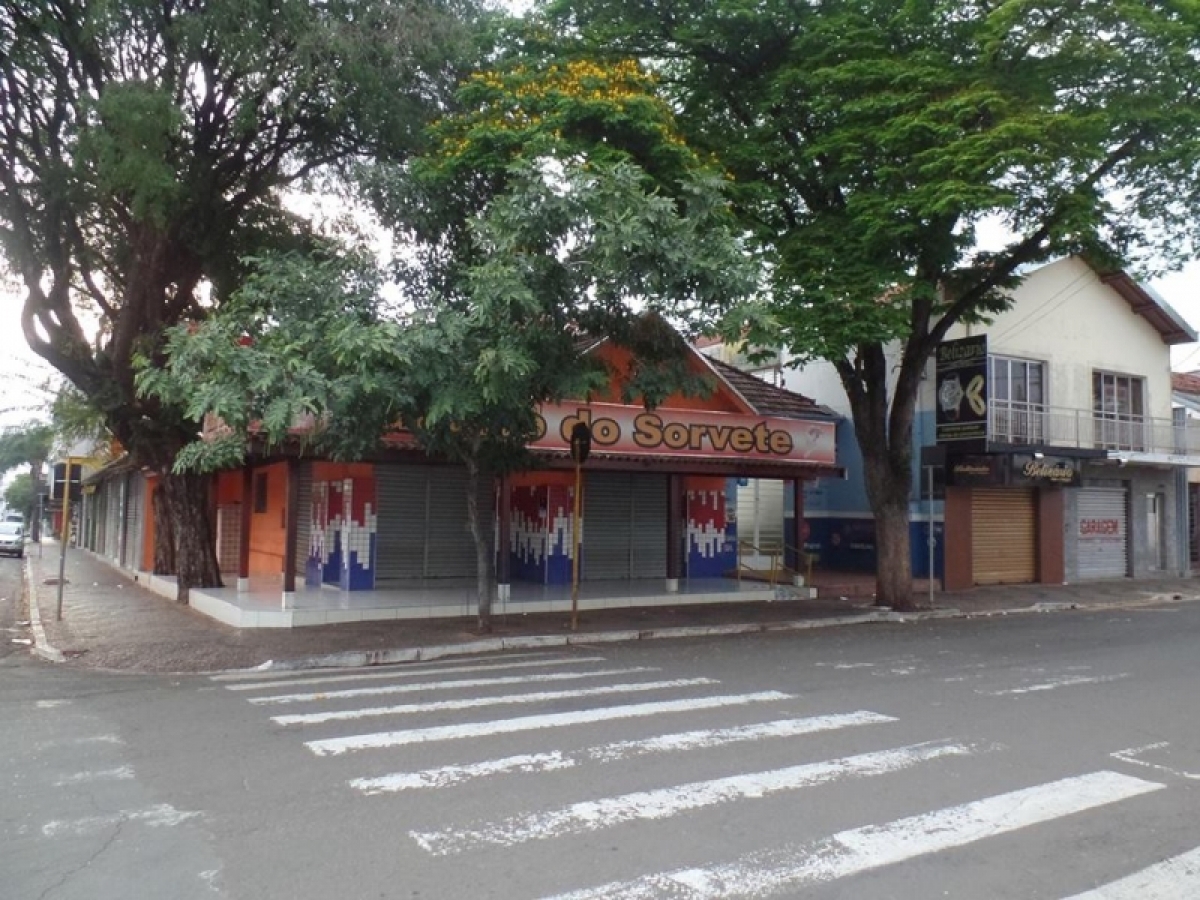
(1076, 470)
(1069, 467)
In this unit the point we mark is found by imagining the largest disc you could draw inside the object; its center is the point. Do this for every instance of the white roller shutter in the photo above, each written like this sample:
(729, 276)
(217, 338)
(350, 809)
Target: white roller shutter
(131, 555)
(760, 515)
(1102, 533)
(1003, 536)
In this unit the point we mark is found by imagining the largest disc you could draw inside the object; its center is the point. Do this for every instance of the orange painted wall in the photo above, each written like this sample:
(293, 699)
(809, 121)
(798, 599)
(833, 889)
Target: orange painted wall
(331, 471)
(620, 359)
(268, 530)
(147, 561)
(229, 487)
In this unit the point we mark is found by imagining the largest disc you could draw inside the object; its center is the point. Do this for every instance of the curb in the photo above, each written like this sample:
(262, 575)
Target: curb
(41, 644)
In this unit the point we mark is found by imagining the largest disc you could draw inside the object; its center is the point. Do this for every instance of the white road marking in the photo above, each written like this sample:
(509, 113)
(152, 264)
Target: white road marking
(595, 815)
(448, 685)
(1054, 685)
(124, 773)
(793, 867)
(475, 702)
(268, 674)
(445, 776)
(337, 746)
(161, 816)
(1177, 878)
(406, 671)
(53, 704)
(1131, 756)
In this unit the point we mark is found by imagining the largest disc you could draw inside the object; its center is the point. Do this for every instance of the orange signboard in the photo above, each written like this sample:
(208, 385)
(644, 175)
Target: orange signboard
(634, 431)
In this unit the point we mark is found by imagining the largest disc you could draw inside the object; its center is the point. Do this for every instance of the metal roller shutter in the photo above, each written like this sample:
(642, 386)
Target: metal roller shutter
(1003, 536)
(607, 522)
(1102, 533)
(422, 520)
(649, 552)
(131, 550)
(112, 518)
(304, 516)
(402, 493)
(624, 526)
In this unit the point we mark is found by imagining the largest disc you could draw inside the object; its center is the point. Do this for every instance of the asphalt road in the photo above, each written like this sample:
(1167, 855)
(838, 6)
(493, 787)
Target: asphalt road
(1041, 756)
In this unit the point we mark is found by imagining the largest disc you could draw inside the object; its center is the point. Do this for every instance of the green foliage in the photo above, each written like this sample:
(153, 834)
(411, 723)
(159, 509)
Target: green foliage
(23, 445)
(21, 495)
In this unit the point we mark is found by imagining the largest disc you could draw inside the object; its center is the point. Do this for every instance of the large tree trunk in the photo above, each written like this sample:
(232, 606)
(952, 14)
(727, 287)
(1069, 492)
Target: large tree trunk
(484, 563)
(164, 535)
(185, 499)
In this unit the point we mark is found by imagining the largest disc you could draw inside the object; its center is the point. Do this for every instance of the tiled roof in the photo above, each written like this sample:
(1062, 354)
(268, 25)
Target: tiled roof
(766, 399)
(1186, 382)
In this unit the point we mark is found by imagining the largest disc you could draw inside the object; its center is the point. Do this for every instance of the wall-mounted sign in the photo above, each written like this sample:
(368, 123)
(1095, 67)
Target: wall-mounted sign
(976, 471)
(634, 431)
(1049, 470)
(962, 392)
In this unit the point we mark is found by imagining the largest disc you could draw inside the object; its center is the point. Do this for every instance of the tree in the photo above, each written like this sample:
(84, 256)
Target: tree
(21, 495)
(868, 140)
(518, 240)
(148, 147)
(27, 445)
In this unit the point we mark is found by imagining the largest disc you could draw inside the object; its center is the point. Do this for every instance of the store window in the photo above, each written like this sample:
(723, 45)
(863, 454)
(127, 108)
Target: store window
(1018, 400)
(1119, 404)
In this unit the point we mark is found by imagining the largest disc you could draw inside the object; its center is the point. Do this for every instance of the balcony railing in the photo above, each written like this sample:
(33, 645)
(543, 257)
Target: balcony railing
(1032, 423)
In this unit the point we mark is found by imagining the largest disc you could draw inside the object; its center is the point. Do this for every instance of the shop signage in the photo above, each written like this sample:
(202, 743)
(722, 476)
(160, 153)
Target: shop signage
(976, 471)
(635, 431)
(962, 390)
(1060, 471)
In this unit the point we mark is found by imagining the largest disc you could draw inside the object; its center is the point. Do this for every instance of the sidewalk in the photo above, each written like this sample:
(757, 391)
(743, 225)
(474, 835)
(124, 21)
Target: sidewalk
(111, 622)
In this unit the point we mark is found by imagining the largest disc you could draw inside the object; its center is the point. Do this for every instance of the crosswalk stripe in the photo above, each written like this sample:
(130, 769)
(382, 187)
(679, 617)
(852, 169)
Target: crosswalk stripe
(1072, 681)
(339, 745)
(408, 671)
(792, 867)
(346, 715)
(448, 685)
(1177, 878)
(445, 776)
(595, 815)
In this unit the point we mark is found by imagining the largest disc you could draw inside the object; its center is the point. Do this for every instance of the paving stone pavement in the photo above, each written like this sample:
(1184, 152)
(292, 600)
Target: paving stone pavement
(109, 621)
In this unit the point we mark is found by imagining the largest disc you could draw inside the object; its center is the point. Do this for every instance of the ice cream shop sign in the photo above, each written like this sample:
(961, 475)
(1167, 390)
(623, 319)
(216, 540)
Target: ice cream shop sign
(632, 431)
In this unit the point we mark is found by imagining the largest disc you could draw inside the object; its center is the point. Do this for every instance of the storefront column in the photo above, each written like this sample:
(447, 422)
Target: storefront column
(674, 532)
(957, 547)
(503, 540)
(243, 580)
(796, 539)
(291, 530)
(1051, 518)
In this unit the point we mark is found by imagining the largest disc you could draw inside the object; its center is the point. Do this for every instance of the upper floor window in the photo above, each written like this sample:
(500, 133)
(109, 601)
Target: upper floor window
(1119, 402)
(1018, 400)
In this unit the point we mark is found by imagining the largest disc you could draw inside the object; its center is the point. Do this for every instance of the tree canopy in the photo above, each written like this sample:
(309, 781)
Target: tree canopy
(868, 141)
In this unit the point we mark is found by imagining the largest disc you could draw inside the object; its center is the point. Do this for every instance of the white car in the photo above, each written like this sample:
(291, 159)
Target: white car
(12, 538)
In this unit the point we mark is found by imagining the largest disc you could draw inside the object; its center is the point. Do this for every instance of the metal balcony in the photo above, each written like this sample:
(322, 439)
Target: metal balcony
(1120, 435)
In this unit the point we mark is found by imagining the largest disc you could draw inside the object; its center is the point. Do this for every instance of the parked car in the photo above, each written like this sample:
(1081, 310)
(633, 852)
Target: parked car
(12, 538)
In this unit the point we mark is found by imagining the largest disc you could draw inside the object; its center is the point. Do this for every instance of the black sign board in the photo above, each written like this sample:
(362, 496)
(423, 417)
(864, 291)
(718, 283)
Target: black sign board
(976, 471)
(962, 390)
(60, 475)
(1037, 470)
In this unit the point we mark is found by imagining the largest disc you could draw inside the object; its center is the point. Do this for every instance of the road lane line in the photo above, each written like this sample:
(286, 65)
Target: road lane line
(339, 745)
(1177, 878)
(448, 685)
(347, 715)
(163, 815)
(408, 671)
(1054, 685)
(123, 773)
(794, 867)
(684, 741)
(607, 812)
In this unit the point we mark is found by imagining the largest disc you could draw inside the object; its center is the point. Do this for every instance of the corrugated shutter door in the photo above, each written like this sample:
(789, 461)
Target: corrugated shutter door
(607, 524)
(402, 495)
(1003, 536)
(451, 550)
(304, 516)
(131, 557)
(112, 518)
(649, 534)
(1102, 533)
